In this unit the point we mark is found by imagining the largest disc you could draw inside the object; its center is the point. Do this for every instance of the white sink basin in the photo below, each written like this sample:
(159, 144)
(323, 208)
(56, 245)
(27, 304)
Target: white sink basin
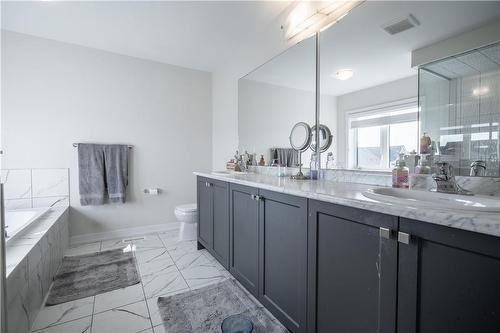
(433, 199)
(227, 173)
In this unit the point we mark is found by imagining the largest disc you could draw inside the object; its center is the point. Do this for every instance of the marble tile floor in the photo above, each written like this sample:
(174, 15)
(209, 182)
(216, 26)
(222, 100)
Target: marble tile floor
(166, 266)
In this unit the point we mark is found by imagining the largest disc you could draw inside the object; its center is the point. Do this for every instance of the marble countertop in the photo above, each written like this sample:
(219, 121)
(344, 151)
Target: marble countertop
(19, 247)
(350, 194)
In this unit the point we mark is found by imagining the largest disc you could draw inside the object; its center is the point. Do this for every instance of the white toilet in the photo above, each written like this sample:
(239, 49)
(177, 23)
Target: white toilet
(187, 215)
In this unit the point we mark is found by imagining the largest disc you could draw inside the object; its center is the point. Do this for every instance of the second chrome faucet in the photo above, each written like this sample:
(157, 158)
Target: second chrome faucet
(445, 180)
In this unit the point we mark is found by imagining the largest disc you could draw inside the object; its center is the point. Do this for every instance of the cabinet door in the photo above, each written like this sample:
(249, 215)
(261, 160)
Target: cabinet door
(352, 270)
(220, 207)
(244, 263)
(449, 280)
(283, 258)
(205, 220)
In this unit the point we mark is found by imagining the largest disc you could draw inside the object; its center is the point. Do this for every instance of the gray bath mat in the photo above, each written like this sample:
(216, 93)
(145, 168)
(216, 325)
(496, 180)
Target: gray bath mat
(203, 310)
(92, 274)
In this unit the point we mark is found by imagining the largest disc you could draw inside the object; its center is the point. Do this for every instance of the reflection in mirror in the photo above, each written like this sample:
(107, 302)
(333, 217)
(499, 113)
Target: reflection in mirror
(369, 91)
(272, 99)
(325, 138)
(460, 110)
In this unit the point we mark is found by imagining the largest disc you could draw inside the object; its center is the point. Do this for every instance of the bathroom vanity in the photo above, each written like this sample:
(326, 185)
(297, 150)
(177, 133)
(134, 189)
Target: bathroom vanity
(322, 257)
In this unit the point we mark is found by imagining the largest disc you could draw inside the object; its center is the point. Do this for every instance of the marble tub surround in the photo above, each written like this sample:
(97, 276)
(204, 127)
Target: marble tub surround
(32, 260)
(351, 194)
(31, 188)
(166, 266)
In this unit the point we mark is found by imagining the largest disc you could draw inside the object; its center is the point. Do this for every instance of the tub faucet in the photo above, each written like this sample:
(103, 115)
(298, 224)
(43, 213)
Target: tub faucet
(478, 168)
(445, 180)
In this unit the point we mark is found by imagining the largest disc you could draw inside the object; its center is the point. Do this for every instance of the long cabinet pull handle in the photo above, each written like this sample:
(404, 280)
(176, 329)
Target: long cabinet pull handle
(385, 233)
(404, 238)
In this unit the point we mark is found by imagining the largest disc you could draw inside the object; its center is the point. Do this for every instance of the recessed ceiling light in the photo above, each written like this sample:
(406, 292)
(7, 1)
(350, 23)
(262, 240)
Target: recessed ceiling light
(344, 74)
(480, 91)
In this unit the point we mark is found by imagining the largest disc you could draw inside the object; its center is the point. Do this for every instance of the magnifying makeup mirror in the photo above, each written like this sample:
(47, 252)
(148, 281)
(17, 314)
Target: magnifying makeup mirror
(325, 138)
(300, 140)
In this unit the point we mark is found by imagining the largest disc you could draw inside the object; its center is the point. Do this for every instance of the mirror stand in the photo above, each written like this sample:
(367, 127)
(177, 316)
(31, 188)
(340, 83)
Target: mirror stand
(300, 175)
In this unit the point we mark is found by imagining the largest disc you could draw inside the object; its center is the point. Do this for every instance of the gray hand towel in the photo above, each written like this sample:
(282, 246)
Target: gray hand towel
(91, 174)
(286, 156)
(116, 162)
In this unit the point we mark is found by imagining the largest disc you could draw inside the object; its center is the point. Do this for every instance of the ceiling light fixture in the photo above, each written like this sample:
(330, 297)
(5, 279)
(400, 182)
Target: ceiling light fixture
(481, 91)
(309, 17)
(344, 74)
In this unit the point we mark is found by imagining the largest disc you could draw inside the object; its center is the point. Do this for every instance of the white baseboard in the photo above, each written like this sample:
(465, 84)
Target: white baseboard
(122, 233)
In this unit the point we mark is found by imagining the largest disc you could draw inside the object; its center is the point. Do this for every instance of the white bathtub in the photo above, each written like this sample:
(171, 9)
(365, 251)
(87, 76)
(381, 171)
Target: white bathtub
(17, 220)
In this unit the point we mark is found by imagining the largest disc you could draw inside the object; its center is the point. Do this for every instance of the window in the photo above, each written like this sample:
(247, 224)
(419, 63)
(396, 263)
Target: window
(377, 135)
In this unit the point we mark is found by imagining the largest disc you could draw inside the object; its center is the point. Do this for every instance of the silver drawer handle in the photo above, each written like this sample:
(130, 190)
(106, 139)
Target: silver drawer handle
(385, 233)
(404, 238)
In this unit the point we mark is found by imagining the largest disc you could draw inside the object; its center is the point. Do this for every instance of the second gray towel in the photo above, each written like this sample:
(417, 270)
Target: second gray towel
(103, 173)
(116, 162)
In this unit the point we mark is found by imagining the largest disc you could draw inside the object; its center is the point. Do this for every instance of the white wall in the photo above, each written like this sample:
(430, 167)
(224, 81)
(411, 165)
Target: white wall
(54, 94)
(384, 93)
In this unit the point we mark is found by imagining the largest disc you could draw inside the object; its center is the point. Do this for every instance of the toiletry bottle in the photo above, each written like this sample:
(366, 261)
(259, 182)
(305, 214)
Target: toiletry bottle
(329, 160)
(425, 144)
(400, 173)
(411, 161)
(313, 167)
(423, 167)
(262, 162)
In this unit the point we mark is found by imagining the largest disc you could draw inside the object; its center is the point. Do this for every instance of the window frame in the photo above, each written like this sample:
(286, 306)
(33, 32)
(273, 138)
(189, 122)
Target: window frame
(352, 133)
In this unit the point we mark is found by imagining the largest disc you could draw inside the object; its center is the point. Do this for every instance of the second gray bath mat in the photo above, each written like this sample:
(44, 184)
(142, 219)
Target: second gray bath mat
(204, 309)
(93, 274)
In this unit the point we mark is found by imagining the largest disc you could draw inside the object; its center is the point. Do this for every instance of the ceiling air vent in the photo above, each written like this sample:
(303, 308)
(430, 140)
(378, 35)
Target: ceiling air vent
(400, 25)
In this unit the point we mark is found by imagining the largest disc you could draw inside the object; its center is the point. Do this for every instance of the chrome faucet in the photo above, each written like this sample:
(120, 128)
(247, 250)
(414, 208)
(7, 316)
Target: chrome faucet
(445, 180)
(478, 168)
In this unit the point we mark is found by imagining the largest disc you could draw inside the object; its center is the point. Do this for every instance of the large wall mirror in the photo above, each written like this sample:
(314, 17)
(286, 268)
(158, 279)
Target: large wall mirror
(275, 97)
(368, 89)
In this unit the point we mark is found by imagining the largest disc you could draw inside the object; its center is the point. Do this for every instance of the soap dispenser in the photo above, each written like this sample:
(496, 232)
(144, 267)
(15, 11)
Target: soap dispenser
(423, 167)
(400, 173)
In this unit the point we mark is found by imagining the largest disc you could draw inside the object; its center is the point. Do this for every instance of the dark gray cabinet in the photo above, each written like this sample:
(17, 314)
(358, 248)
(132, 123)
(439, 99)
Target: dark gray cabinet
(449, 280)
(269, 251)
(213, 218)
(244, 262)
(205, 219)
(220, 206)
(326, 268)
(283, 258)
(352, 270)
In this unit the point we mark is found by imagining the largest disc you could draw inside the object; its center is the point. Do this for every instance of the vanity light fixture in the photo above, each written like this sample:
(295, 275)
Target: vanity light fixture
(344, 74)
(481, 91)
(309, 17)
